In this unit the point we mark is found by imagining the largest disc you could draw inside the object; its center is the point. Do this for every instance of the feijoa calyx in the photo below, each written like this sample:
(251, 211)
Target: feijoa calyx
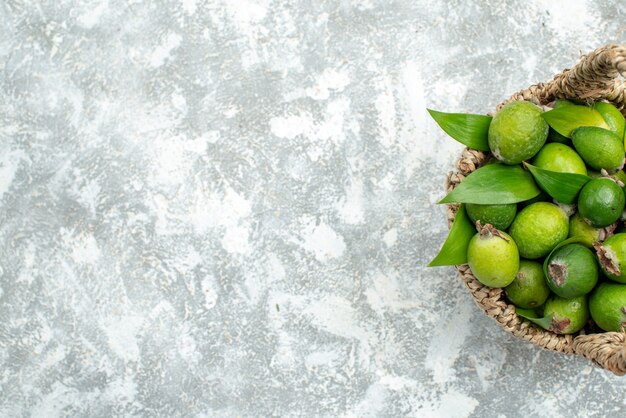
(493, 257)
(599, 148)
(612, 257)
(572, 271)
(567, 315)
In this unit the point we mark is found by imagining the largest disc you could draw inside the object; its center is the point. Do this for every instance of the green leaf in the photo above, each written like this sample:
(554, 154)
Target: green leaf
(469, 130)
(563, 187)
(529, 314)
(565, 119)
(564, 102)
(454, 250)
(494, 184)
(572, 240)
(612, 116)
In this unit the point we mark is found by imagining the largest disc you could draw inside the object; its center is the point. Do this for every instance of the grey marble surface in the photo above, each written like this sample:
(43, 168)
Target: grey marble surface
(225, 208)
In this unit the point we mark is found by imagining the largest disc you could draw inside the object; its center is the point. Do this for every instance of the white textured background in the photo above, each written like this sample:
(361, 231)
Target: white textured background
(225, 208)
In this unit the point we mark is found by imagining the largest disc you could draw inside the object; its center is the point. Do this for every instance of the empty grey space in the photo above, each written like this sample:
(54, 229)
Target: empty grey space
(225, 208)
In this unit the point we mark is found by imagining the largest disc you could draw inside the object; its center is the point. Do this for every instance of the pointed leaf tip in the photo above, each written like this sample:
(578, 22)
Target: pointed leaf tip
(454, 249)
(543, 322)
(468, 129)
(563, 187)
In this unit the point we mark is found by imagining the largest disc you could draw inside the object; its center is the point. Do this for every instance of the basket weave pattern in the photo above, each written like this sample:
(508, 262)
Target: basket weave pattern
(595, 77)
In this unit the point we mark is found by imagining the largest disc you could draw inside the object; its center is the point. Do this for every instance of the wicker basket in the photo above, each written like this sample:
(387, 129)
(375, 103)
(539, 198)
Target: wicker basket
(597, 76)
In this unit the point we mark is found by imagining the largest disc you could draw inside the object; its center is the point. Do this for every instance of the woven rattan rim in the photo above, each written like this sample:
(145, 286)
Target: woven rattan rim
(595, 77)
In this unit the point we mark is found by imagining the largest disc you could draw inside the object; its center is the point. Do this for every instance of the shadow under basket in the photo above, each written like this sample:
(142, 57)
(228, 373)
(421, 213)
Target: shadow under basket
(597, 76)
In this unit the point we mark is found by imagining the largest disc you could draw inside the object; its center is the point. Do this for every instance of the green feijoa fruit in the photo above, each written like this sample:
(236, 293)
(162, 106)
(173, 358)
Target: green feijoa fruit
(612, 117)
(568, 315)
(607, 306)
(538, 228)
(601, 202)
(578, 227)
(493, 257)
(572, 271)
(561, 158)
(517, 132)
(500, 216)
(529, 289)
(599, 148)
(612, 257)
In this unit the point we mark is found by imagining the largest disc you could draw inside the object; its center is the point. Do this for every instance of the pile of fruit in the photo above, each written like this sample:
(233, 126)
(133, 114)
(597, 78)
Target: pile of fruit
(544, 217)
